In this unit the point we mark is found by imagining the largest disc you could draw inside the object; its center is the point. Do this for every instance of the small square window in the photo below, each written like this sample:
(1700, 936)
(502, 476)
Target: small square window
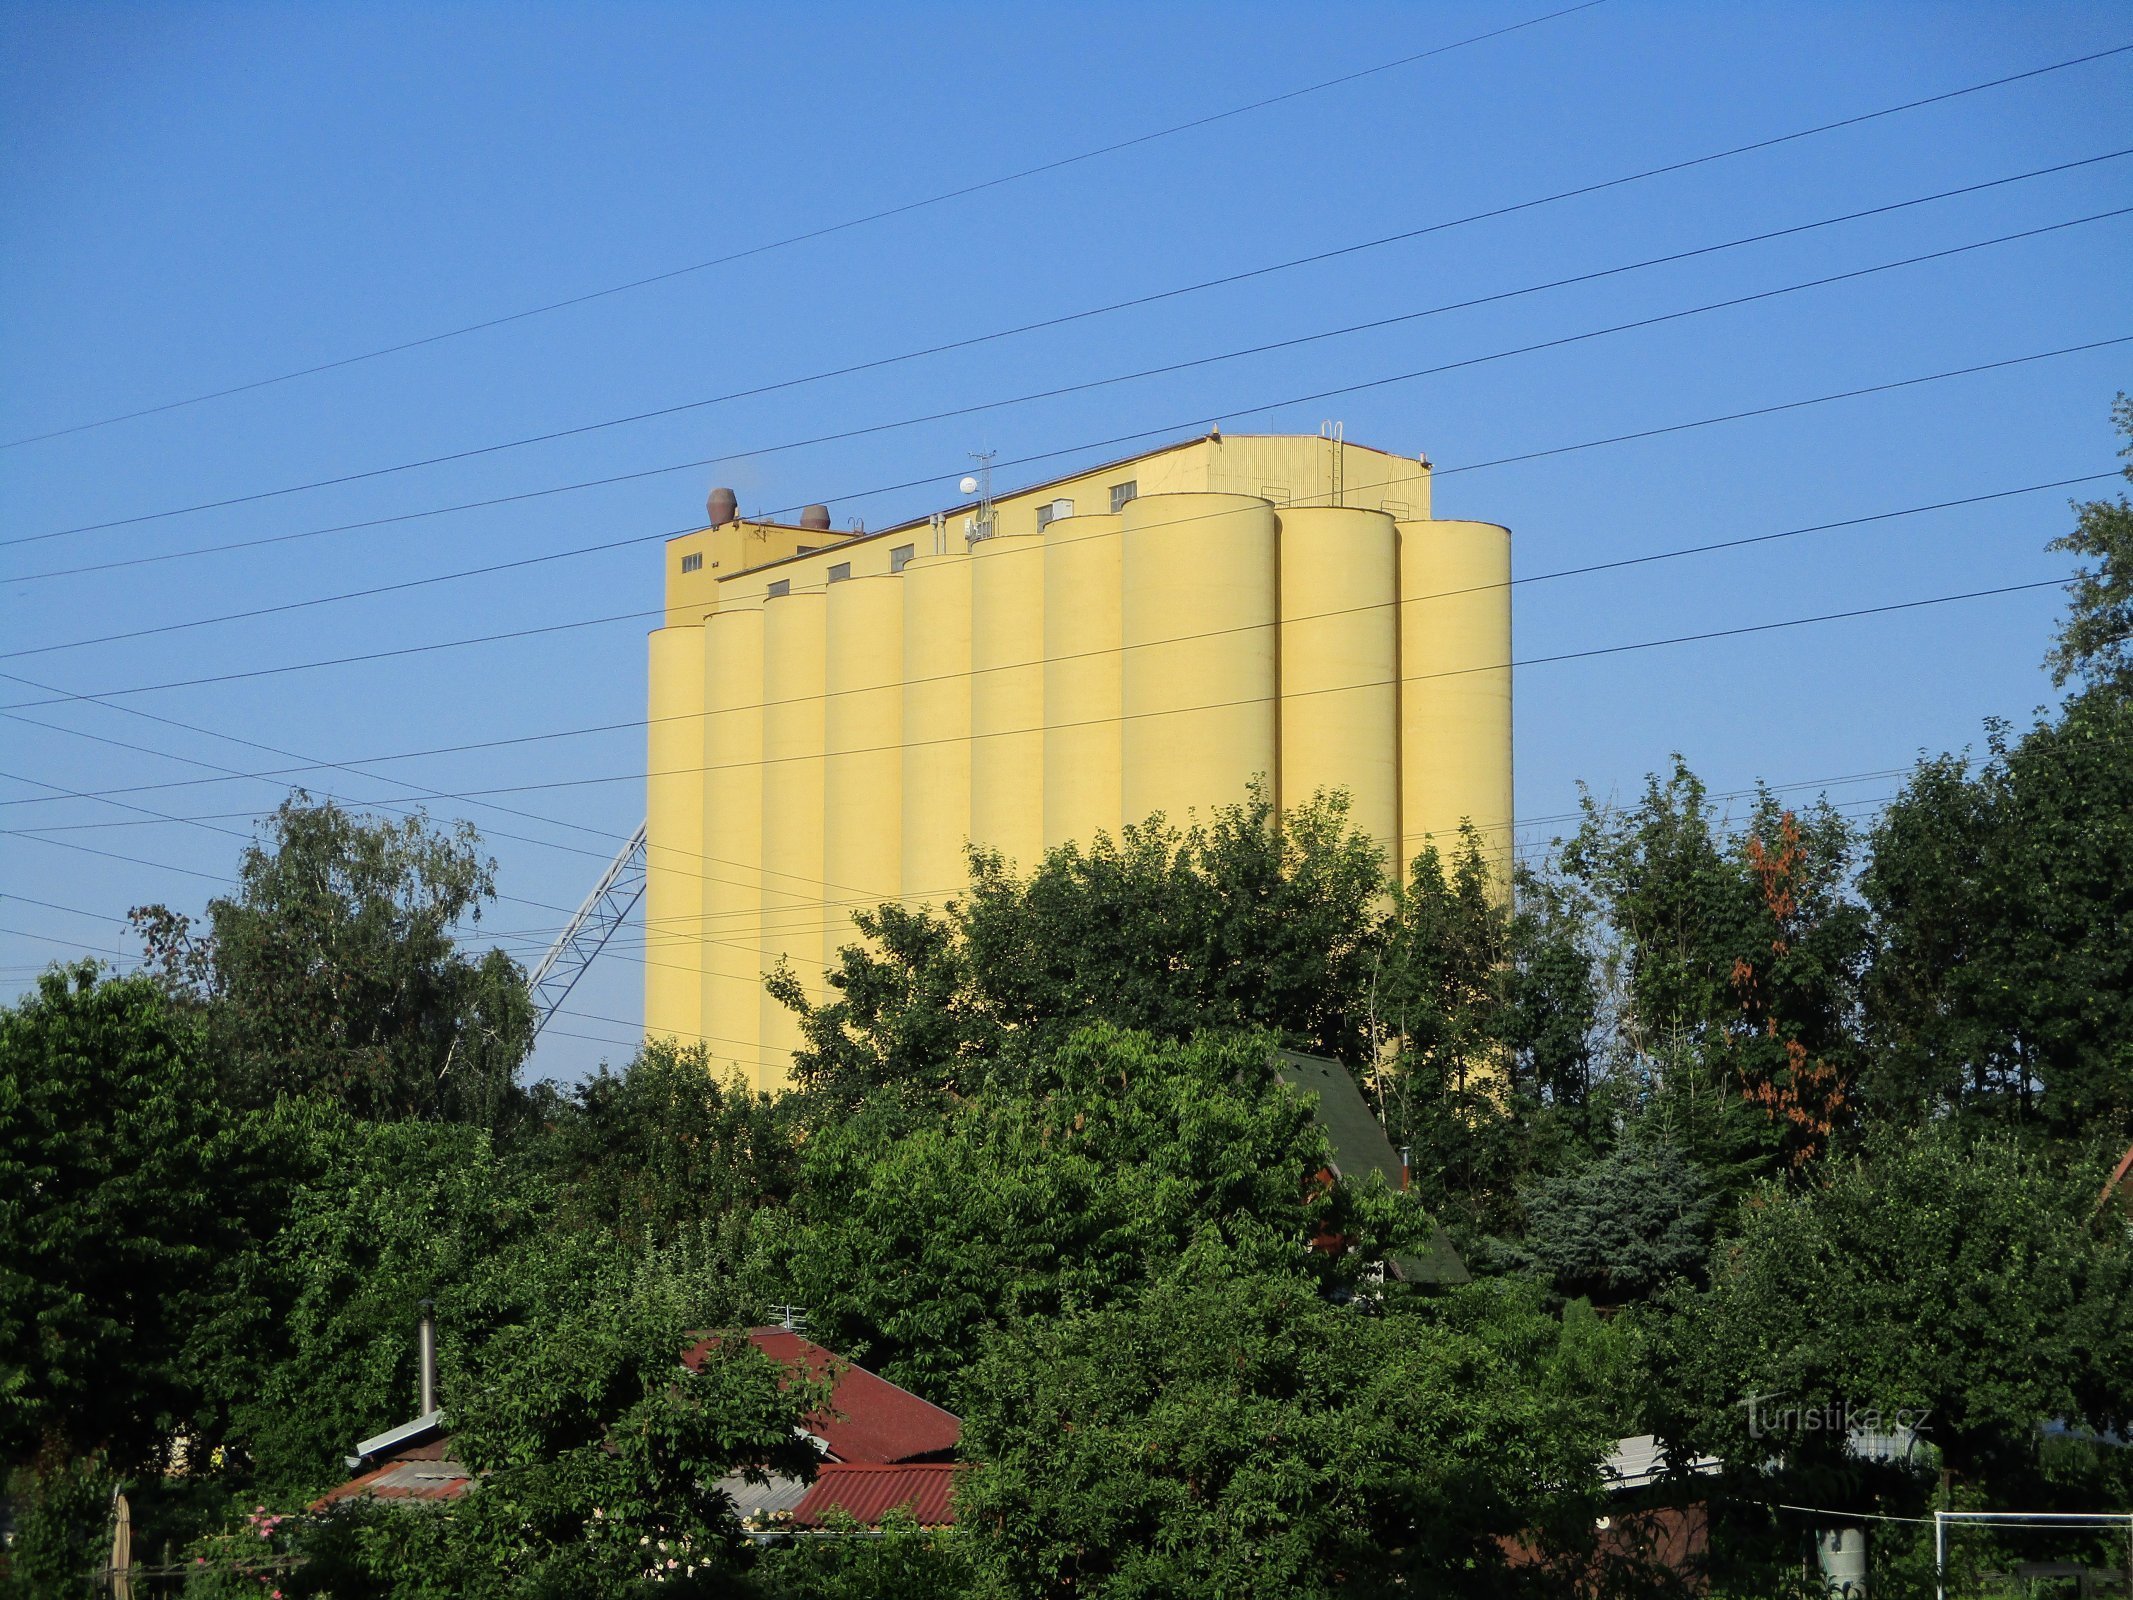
(1049, 514)
(693, 563)
(900, 557)
(840, 571)
(780, 586)
(1121, 493)
(805, 549)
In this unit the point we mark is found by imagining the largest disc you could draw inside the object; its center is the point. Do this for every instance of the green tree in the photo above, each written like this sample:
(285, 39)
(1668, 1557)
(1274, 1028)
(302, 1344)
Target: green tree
(908, 1240)
(2002, 977)
(1622, 1225)
(313, 1346)
(1490, 1001)
(332, 971)
(1734, 962)
(125, 1186)
(2095, 643)
(1231, 1433)
(649, 1154)
(1958, 1280)
(1247, 920)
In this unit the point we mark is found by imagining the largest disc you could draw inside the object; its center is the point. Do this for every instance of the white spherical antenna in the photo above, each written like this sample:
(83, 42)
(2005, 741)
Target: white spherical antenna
(970, 486)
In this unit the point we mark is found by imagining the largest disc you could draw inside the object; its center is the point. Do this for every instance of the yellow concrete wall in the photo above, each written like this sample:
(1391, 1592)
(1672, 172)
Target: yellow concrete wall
(1007, 696)
(1340, 664)
(674, 808)
(1084, 622)
(794, 659)
(862, 768)
(1455, 685)
(1199, 682)
(936, 755)
(732, 888)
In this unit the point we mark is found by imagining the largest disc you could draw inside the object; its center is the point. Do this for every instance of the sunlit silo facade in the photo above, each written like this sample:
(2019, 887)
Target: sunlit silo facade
(834, 716)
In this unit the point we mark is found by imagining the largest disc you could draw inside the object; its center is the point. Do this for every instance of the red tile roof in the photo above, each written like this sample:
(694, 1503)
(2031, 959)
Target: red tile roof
(869, 1493)
(870, 1420)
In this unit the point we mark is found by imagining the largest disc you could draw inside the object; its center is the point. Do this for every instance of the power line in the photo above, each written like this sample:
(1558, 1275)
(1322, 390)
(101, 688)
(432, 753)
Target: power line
(1709, 635)
(879, 216)
(104, 567)
(529, 561)
(338, 480)
(1567, 572)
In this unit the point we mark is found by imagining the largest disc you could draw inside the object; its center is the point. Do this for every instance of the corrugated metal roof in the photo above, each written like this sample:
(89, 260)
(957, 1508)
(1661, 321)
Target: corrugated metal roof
(762, 1503)
(421, 1471)
(869, 1493)
(870, 1419)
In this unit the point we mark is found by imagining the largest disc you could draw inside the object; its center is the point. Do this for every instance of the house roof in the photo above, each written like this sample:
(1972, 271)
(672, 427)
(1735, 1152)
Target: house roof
(868, 1493)
(870, 1420)
(1360, 1148)
(422, 1470)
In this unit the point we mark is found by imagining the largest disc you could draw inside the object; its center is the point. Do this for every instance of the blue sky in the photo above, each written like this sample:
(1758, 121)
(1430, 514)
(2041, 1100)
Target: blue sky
(199, 196)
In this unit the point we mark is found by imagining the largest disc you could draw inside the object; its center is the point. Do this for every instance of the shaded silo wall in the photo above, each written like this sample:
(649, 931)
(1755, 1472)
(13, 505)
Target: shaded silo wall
(1007, 696)
(793, 664)
(936, 753)
(674, 808)
(1201, 613)
(1084, 622)
(1455, 687)
(862, 767)
(733, 966)
(1340, 664)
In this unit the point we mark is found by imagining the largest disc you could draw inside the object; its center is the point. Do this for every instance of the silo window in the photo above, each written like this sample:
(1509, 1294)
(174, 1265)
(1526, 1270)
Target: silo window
(1121, 493)
(781, 586)
(693, 563)
(1046, 515)
(900, 557)
(839, 571)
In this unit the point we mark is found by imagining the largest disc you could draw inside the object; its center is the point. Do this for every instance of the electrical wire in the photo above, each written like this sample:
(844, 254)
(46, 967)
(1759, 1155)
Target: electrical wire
(905, 209)
(1059, 391)
(1590, 653)
(369, 474)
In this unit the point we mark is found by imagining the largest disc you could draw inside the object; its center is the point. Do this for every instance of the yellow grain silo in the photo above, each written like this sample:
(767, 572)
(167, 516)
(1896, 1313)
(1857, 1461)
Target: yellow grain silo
(793, 665)
(1007, 696)
(862, 767)
(733, 837)
(1084, 621)
(674, 803)
(936, 756)
(1200, 576)
(1455, 686)
(1340, 664)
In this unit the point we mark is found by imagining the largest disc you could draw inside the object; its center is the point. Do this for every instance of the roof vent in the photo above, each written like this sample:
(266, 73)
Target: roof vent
(723, 507)
(817, 516)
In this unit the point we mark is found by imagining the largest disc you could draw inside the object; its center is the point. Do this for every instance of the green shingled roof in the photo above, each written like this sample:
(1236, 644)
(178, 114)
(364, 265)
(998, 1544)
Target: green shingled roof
(1361, 1148)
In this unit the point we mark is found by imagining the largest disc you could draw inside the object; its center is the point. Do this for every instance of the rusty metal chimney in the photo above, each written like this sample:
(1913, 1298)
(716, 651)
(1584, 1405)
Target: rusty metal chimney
(722, 506)
(816, 517)
(426, 1359)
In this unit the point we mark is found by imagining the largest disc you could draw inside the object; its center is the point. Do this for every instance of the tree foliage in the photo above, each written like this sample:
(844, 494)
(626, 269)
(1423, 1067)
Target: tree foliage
(125, 1189)
(1245, 921)
(332, 970)
(1230, 1432)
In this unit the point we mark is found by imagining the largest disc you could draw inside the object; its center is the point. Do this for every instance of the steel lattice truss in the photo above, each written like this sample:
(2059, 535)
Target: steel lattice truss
(586, 934)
